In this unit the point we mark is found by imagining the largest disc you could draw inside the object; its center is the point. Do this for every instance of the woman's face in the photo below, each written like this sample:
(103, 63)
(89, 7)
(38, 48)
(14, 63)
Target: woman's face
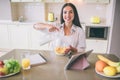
(68, 14)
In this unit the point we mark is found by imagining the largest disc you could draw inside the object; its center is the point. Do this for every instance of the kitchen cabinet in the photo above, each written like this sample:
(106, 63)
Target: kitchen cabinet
(24, 36)
(4, 37)
(26, 0)
(38, 0)
(54, 1)
(99, 46)
(15, 0)
(97, 1)
(19, 36)
(36, 37)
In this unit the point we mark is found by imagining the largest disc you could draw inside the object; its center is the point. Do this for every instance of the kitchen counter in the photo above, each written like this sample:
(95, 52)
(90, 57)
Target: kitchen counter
(24, 22)
(4, 51)
(54, 68)
(33, 22)
(17, 22)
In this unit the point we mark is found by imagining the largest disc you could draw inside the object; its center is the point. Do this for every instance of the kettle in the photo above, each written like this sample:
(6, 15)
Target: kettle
(95, 19)
(50, 16)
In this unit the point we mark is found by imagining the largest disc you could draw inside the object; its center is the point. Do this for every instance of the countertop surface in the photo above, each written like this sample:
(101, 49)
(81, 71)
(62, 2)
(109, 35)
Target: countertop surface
(54, 68)
(17, 22)
(33, 22)
(4, 51)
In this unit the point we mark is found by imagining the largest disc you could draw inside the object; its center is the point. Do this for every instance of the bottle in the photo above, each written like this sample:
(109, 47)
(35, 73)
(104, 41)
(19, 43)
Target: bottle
(21, 19)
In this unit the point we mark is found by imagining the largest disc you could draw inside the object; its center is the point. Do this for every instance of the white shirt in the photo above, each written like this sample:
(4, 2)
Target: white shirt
(76, 38)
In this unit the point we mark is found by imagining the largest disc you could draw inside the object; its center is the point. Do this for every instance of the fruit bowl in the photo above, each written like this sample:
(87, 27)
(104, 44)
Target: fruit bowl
(9, 67)
(60, 50)
(102, 74)
(9, 74)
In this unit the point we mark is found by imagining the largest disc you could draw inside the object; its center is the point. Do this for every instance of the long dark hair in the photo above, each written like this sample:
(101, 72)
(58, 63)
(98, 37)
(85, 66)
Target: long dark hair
(76, 20)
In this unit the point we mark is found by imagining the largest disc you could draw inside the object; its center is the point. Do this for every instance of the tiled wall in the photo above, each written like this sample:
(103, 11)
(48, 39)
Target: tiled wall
(39, 11)
(85, 11)
(30, 11)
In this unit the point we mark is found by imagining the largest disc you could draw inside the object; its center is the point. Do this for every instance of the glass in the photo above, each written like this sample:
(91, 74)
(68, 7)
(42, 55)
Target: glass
(25, 61)
(61, 46)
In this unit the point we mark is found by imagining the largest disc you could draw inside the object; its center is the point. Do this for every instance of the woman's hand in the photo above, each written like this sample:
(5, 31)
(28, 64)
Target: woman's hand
(71, 49)
(52, 29)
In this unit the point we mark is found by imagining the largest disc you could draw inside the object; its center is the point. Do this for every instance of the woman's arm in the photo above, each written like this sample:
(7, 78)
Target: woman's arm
(40, 26)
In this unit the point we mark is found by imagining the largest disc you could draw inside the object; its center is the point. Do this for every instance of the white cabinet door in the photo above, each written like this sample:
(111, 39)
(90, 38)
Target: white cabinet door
(27, 0)
(23, 0)
(4, 38)
(54, 1)
(99, 46)
(15, 0)
(36, 37)
(19, 36)
(104, 1)
(59, 1)
(97, 1)
(38, 0)
(90, 1)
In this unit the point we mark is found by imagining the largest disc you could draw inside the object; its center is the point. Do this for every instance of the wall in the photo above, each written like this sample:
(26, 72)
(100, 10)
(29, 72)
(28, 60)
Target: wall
(55, 8)
(5, 10)
(30, 11)
(85, 11)
(39, 11)
(115, 38)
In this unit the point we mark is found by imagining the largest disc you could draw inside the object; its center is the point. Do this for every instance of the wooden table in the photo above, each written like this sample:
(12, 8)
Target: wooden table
(54, 68)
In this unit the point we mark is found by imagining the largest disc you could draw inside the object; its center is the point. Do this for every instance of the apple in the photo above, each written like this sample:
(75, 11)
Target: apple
(1, 63)
(3, 71)
(2, 74)
(1, 66)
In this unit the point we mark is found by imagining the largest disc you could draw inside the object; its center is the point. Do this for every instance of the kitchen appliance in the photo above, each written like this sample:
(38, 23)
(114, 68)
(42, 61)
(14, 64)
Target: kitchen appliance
(97, 32)
(50, 16)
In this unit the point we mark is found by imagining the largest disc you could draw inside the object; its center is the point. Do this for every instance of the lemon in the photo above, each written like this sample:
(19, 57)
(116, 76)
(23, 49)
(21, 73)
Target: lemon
(25, 63)
(110, 71)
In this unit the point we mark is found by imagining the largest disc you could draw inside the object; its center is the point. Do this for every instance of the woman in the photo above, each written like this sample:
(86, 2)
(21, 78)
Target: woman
(72, 33)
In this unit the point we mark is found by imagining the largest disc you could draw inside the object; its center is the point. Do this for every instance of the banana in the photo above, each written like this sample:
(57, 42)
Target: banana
(118, 69)
(108, 61)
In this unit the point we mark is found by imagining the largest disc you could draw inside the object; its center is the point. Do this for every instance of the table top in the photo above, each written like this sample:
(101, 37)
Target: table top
(54, 68)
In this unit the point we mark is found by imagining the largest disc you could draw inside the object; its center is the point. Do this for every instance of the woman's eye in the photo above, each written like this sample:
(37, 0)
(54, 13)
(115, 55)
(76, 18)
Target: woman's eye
(71, 11)
(65, 12)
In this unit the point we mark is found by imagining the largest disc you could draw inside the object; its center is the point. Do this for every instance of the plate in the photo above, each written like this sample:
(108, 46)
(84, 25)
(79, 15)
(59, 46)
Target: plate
(9, 75)
(102, 74)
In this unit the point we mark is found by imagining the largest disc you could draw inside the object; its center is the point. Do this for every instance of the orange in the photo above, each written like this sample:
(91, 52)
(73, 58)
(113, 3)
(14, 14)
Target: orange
(99, 65)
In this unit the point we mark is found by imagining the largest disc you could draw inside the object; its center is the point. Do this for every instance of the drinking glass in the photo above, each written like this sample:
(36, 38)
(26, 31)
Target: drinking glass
(25, 61)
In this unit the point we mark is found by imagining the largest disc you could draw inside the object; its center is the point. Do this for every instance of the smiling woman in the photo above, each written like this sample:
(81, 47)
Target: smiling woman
(70, 31)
